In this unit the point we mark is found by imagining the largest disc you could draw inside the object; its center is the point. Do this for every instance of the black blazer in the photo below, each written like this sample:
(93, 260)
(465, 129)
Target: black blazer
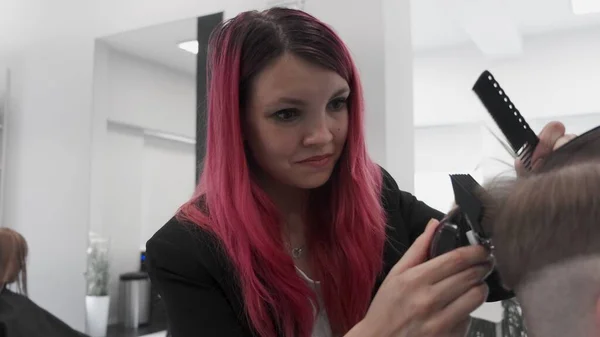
(196, 281)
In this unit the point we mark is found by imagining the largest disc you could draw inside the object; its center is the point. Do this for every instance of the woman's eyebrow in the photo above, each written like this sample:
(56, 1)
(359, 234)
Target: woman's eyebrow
(291, 100)
(340, 92)
(299, 102)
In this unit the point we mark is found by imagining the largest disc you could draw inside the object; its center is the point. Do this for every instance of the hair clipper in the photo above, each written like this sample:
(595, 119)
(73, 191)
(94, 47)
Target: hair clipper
(462, 227)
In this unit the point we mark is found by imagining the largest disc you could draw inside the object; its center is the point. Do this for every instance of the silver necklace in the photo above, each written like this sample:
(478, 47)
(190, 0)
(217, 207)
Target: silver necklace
(296, 252)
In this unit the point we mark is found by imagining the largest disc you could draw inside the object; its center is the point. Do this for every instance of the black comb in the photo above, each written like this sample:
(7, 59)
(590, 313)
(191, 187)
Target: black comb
(508, 118)
(465, 188)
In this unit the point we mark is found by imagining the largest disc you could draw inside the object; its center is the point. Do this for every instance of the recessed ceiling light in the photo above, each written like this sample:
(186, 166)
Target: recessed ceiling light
(189, 46)
(582, 7)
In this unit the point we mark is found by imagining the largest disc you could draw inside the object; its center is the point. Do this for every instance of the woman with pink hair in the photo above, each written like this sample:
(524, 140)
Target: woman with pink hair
(293, 230)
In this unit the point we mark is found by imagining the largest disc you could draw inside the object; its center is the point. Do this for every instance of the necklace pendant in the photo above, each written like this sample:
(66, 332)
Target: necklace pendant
(297, 252)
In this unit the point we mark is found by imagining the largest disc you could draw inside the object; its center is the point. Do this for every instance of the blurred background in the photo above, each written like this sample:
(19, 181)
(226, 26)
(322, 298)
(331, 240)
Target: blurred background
(102, 114)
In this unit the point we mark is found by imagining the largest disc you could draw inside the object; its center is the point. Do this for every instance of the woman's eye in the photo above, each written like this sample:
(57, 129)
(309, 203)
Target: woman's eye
(286, 115)
(338, 104)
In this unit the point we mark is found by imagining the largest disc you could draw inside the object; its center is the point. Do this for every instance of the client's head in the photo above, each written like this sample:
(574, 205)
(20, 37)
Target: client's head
(546, 230)
(13, 253)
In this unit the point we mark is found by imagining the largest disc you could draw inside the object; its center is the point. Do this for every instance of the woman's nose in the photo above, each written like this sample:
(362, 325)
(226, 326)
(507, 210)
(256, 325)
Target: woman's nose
(319, 133)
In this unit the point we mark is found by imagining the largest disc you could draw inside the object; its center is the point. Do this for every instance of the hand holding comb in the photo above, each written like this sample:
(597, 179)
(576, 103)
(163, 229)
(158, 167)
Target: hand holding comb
(521, 138)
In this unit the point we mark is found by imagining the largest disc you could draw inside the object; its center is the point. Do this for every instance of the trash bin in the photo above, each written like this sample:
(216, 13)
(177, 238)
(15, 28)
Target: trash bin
(135, 299)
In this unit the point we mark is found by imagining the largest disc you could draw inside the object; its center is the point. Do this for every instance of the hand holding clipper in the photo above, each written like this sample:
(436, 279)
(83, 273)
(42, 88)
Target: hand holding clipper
(462, 227)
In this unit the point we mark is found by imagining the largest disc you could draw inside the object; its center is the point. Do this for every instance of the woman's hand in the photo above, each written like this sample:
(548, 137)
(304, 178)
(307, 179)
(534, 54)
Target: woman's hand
(551, 138)
(421, 298)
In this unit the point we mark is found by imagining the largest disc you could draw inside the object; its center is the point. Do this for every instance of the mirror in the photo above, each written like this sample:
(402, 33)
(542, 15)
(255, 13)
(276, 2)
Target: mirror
(149, 108)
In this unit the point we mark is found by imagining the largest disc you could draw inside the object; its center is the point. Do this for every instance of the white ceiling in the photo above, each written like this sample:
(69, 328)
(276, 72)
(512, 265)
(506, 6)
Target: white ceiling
(495, 26)
(437, 23)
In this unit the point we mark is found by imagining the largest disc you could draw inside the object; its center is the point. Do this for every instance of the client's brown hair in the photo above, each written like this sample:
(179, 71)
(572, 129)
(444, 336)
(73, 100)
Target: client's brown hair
(549, 216)
(13, 255)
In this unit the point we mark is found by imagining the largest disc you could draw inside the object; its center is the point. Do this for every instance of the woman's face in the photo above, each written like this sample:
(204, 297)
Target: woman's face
(296, 122)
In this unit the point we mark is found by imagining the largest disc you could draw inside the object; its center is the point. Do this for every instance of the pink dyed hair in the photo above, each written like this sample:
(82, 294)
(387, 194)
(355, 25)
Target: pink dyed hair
(347, 228)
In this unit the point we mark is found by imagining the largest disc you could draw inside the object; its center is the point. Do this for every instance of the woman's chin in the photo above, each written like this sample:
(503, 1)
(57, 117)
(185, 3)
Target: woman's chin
(312, 181)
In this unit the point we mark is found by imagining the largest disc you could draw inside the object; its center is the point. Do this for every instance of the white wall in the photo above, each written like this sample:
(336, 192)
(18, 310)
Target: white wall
(48, 170)
(123, 204)
(556, 76)
(440, 151)
(3, 70)
(140, 179)
(168, 181)
(146, 180)
(4, 121)
(556, 79)
(138, 93)
(150, 96)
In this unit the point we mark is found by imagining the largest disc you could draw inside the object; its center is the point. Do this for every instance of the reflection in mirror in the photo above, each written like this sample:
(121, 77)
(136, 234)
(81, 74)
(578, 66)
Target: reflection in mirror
(147, 142)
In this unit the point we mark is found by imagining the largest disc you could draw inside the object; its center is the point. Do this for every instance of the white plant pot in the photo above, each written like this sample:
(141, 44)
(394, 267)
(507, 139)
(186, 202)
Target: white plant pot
(96, 308)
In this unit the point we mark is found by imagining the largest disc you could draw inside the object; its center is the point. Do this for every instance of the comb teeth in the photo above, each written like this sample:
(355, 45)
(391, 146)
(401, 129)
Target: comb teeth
(508, 118)
(526, 156)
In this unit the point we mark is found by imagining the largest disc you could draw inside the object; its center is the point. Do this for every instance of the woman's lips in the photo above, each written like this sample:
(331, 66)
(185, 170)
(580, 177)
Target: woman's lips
(317, 161)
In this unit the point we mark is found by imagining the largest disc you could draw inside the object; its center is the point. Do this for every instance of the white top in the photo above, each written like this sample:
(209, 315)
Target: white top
(321, 327)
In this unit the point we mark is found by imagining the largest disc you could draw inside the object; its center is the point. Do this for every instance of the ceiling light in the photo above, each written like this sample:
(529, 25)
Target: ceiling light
(582, 7)
(189, 46)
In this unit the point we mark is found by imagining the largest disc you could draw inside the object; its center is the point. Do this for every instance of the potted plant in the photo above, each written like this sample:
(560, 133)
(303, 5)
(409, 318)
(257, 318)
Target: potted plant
(97, 300)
